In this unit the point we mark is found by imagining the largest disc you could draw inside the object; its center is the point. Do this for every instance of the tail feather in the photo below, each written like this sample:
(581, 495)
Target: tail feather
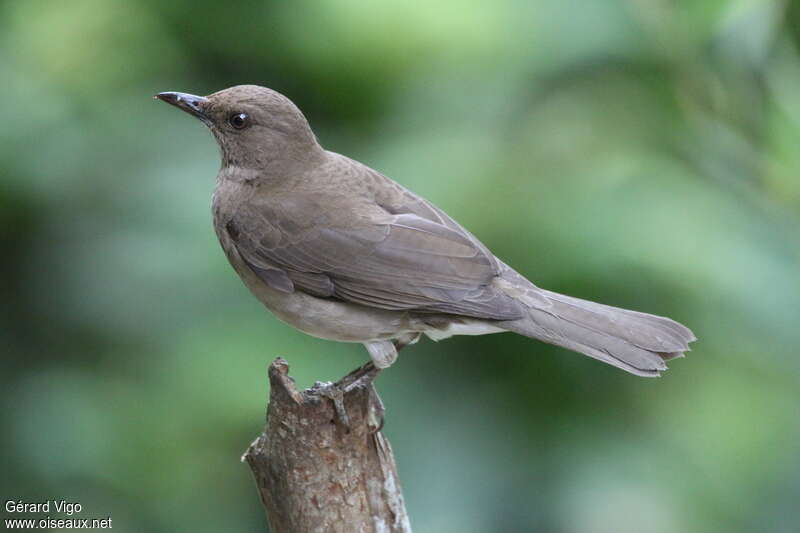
(668, 356)
(651, 332)
(663, 322)
(638, 343)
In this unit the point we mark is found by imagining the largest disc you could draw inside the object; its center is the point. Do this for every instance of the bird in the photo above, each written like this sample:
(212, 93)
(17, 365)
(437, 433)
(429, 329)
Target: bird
(341, 252)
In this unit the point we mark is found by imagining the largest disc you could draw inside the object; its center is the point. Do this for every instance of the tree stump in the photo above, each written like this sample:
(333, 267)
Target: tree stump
(326, 470)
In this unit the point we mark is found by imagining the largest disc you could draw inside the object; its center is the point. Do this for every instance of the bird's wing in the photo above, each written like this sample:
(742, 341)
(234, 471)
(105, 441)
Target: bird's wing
(390, 260)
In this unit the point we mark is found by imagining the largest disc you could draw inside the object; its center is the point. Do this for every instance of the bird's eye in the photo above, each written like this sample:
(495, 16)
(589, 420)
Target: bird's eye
(239, 120)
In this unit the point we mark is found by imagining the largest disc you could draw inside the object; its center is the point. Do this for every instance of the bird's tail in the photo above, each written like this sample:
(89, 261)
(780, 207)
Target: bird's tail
(636, 342)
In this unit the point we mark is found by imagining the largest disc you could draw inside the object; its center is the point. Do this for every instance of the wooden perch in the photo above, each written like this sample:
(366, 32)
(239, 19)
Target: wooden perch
(318, 473)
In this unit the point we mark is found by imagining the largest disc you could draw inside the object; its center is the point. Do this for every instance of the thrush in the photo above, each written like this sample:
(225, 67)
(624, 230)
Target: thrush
(341, 252)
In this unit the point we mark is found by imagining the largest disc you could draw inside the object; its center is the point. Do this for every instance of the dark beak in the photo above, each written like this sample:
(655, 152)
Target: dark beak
(190, 103)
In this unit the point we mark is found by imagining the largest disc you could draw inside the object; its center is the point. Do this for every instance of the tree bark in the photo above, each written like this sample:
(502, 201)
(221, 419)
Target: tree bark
(317, 471)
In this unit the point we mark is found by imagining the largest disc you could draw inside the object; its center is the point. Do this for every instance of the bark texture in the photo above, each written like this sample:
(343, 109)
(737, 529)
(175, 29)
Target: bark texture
(318, 473)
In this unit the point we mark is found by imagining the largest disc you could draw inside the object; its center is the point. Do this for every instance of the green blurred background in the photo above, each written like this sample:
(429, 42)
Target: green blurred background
(643, 153)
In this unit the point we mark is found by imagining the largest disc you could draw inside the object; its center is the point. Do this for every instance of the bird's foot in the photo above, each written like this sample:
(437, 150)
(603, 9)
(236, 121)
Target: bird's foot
(360, 377)
(364, 377)
(335, 393)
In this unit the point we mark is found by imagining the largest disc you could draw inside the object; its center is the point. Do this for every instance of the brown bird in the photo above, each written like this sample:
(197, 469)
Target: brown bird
(341, 252)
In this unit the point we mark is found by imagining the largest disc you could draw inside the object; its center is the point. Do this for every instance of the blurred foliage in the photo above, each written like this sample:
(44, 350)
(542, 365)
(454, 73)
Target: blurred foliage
(643, 153)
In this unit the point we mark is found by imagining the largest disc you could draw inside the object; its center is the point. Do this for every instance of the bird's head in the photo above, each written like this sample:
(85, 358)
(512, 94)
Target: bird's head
(256, 128)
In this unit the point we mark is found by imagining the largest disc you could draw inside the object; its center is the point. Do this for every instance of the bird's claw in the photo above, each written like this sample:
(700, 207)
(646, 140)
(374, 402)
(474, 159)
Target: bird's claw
(360, 377)
(335, 393)
(376, 412)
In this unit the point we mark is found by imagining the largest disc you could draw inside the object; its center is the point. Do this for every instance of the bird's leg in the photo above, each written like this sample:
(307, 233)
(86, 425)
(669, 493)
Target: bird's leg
(360, 377)
(366, 374)
(381, 352)
(358, 373)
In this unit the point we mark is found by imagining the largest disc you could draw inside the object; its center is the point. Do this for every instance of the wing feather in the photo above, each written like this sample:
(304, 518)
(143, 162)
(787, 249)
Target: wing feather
(395, 260)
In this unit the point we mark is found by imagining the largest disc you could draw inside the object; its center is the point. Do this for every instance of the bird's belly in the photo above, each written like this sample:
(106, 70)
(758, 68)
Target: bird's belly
(327, 319)
(335, 320)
